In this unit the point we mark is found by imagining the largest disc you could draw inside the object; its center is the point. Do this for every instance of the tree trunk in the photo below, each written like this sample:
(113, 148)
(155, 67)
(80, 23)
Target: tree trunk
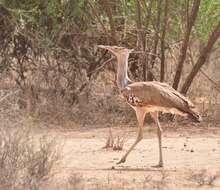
(182, 57)
(156, 39)
(148, 9)
(140, 39)
(162, 64)
(202, 58)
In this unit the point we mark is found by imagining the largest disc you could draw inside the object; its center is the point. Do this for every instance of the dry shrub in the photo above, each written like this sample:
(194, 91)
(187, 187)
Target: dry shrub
(119, 143)
(110, 140)
(202, 178)
(156, 184)
(75, 181)
(25, 162)
(114, 143)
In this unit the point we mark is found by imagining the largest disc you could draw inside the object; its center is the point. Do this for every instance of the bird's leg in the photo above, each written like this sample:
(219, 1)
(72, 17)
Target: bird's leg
(159, 132)
(140, 117)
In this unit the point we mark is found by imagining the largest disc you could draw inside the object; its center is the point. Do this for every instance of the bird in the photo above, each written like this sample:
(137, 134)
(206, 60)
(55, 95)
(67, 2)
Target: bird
(148, 97)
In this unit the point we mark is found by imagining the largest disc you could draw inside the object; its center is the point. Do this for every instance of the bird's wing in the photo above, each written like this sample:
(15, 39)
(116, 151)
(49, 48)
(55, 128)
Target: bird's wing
(156, 94)
(176, 93)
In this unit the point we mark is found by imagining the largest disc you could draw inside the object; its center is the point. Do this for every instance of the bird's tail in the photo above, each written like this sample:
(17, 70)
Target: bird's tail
(195, 116)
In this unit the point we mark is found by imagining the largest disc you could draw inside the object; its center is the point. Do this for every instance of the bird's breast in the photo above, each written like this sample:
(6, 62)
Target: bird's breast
(134, 100)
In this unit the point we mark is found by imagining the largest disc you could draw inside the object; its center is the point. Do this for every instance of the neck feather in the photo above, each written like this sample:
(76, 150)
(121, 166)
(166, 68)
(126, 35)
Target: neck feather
(122, 76)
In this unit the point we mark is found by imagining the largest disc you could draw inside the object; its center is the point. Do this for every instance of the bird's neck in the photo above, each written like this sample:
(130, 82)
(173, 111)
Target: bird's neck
(122, 75)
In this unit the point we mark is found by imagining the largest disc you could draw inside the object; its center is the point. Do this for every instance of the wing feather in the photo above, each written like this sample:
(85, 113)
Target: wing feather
(157, 94)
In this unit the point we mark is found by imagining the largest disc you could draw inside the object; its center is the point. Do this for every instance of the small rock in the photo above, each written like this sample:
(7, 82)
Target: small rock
(184, 145)
(113, 167)
(191, 150)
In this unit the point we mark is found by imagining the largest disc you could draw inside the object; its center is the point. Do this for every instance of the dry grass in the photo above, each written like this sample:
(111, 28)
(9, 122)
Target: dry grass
(118, 143)
(203, 178)
(25, 162)
(77, 181)
(115, 143)
(156, 184)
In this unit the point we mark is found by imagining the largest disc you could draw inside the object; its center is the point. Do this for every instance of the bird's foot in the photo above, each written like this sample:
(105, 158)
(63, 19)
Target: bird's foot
(123, 159)
(159, 165)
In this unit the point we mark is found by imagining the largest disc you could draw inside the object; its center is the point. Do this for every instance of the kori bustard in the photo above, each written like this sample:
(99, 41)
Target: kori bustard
(148, 97)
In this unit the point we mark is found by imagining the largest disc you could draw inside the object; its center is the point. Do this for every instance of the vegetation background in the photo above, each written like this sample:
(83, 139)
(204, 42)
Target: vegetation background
(49, 51)
(52, 72)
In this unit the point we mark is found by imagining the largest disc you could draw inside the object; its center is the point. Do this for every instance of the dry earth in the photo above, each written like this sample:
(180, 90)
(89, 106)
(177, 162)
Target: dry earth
(191, 156)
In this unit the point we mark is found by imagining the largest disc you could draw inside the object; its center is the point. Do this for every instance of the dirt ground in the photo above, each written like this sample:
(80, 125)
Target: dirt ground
(191, 158)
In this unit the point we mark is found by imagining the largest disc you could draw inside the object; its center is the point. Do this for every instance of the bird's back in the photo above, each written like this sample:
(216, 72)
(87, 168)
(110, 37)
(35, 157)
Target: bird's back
(157, 96)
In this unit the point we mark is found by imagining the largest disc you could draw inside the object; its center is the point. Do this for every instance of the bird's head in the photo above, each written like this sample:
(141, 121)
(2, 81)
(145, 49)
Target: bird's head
(116, 50)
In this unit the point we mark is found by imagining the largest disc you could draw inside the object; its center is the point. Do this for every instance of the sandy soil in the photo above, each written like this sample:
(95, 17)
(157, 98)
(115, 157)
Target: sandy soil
(191, 159)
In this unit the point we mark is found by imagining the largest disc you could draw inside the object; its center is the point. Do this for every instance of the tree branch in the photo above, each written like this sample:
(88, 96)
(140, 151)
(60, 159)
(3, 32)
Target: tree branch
(202, 58)
(182, 57)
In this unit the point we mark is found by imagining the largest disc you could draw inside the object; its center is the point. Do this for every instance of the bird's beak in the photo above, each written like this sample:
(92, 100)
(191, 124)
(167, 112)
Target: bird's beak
(109, 48)
(104, 47)
(131, 50)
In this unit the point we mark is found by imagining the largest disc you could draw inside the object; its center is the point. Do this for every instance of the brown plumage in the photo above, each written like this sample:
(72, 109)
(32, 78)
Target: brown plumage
(148, 97)
(157, 96)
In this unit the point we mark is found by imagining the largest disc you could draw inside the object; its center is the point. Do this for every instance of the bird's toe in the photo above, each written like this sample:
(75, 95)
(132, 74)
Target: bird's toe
(121, 161)
(160, 165)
